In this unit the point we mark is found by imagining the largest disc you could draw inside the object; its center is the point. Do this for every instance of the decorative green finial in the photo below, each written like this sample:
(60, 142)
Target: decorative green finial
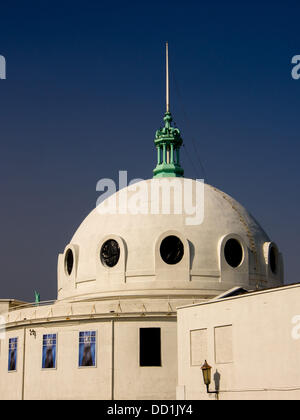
(37, 297)
(168, 140)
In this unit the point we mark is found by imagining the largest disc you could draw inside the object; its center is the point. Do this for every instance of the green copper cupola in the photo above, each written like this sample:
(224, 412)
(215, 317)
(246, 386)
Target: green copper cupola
(168, 141)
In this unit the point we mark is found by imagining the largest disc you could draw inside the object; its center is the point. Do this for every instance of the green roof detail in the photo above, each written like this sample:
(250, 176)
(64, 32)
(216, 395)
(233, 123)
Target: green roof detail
(168, 142)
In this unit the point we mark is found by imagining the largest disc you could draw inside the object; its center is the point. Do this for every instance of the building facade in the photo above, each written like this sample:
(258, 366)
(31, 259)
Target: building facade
(251, 341)
(120, 280)
(112, 332)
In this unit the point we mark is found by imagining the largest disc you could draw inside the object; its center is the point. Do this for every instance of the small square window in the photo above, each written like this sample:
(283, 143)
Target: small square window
(87, 349)
(150, 347)
(12, 354)
(49, 351)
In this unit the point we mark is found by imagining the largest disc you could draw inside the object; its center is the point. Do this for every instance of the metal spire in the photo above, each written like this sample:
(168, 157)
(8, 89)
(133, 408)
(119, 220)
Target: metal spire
(167, 79)
(168, 140)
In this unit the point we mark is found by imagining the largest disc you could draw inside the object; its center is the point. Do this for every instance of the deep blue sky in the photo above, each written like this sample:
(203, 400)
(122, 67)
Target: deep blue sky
(85, 93)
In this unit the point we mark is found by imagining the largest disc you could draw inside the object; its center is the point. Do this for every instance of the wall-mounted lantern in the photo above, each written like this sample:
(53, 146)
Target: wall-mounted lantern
(206, 371)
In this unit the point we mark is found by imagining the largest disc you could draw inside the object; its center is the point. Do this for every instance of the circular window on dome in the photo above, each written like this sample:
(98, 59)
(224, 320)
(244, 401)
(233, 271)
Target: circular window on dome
(171, 250)
(273, 259)
(110, 253)
(69, 261)
(233, 252)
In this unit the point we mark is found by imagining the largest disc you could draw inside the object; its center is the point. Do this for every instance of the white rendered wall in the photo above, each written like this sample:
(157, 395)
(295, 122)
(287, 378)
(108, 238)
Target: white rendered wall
(248, 340)
(117, 373)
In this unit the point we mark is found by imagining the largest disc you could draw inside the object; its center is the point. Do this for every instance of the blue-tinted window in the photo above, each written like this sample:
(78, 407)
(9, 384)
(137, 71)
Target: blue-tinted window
(49, 351)
(87, 348)
(12, 354)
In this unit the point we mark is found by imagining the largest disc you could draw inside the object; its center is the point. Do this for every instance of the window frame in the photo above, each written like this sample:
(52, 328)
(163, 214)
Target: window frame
(56, 351)
(96, 349)
(17, 356)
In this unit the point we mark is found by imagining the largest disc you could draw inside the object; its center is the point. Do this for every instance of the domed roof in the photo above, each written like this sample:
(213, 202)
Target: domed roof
(224, 248)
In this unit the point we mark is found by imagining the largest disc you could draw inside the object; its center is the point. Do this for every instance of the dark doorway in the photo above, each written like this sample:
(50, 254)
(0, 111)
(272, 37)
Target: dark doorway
(150, 347)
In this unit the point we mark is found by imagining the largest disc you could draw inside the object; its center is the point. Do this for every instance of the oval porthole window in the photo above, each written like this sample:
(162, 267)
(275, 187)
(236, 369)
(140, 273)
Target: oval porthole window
(69, 261)
(233, 252)
(273, 259)
(110, 253)
(171, 250)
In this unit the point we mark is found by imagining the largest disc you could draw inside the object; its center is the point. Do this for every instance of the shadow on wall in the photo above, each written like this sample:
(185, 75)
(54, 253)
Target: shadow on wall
(192, 253)
(217, 380)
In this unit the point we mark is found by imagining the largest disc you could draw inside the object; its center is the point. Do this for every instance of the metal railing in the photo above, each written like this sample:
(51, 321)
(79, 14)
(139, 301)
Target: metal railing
(32, 305)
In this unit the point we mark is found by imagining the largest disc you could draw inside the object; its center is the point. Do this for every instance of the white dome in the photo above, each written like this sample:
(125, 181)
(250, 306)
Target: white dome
(203, 270)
